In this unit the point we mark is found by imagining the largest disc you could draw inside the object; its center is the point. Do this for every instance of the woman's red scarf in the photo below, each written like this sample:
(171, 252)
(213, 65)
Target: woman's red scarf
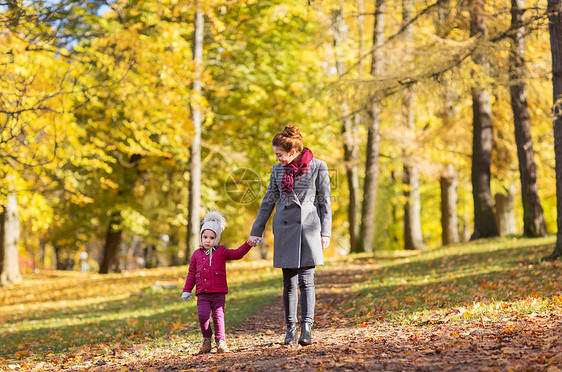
(295, 169)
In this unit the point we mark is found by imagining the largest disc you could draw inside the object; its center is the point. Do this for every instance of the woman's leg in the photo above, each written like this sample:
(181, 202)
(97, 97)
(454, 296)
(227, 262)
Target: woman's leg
(290, 295)
(308, 299)
(308, 295)
(217, 305)
(204, 313)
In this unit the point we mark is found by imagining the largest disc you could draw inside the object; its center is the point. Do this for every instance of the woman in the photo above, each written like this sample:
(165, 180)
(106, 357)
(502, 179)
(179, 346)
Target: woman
(300, 187)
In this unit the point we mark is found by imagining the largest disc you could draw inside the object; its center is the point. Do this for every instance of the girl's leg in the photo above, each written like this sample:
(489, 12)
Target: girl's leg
(290, 295)
(217, 307)
(204, 313)
(308, 295)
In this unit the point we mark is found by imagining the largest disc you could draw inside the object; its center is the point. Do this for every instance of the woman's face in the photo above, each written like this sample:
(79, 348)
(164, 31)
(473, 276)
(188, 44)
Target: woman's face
(284, 157)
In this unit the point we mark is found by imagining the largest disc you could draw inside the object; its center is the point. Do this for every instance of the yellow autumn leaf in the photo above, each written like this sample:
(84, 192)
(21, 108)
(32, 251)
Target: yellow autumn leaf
(177, 326)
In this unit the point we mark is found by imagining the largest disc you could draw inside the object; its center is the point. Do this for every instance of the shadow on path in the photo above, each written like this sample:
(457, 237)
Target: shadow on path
(530, 342)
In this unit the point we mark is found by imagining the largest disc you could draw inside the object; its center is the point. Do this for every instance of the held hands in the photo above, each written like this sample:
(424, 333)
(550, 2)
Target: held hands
(254, 240)
(325, 242)
(186, 296)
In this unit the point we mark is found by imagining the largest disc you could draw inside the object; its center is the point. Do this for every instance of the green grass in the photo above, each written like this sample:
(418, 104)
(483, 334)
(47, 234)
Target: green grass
(54, 312)
(487, 277)
(67, 315)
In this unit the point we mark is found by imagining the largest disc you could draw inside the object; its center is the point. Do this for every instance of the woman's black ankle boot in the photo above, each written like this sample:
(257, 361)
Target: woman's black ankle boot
(291, 337)
(306, 334)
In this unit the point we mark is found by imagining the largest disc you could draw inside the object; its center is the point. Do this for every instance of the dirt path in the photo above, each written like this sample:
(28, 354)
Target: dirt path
(522, 343)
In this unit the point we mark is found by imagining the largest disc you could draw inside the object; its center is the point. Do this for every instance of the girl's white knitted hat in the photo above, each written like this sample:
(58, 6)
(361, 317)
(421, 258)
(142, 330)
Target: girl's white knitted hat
(215, 222)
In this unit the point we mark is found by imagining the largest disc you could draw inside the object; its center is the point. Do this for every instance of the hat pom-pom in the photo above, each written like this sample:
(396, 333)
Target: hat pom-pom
(215, 216)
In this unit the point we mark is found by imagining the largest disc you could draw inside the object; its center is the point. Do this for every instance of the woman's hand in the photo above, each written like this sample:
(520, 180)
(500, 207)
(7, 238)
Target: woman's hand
(325, 242)
(254, 239)
(253, 242)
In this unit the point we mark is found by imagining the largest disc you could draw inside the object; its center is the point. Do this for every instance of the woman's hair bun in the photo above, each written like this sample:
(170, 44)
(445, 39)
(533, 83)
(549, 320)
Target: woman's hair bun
(292, 131)
(290, 138)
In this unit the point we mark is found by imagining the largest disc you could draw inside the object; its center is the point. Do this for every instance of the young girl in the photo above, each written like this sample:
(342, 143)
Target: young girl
(207, 271)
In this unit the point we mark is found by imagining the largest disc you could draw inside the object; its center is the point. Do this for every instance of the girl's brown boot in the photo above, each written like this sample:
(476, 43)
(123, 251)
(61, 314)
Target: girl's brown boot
(206, 346)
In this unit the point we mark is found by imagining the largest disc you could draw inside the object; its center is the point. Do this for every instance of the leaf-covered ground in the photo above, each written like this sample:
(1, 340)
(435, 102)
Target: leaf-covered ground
(484, 306)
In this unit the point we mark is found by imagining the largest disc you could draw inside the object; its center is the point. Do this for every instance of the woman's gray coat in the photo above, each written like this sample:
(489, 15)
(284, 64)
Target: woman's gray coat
(301, 217)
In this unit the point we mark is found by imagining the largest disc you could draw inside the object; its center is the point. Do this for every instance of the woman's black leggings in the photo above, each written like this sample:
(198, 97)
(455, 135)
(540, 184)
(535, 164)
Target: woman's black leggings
(304, 279)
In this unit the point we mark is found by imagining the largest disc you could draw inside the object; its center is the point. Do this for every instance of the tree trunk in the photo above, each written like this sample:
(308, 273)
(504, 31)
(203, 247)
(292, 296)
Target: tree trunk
(353, 140)
(113, 238)
(484, 219)
(449, 181)
(58, 257)
(449, 219)
(373, 138)
(505, 211)
(42, 253)
(193, 223)
(174, 244)
(349, 133)
(360, 33)
(351, 153)
(149, 256)
(352, 145)
(394, 233)
(9, 241)
(129, 262)
(534, 224)
(413, 238)
(114, 232)
(466, 228)
(555, 28)
(63, 261)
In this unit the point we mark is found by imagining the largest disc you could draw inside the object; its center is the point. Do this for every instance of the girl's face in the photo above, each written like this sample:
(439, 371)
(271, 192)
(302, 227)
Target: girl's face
(284, 157)
(208, 238)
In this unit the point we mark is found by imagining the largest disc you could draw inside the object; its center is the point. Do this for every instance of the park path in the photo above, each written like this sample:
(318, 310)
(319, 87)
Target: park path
(528, 343)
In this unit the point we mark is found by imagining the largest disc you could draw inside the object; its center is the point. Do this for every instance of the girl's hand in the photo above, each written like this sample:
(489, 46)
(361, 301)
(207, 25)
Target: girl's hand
(254, 243)
(325, 242)
(186, 296)
(254, 240)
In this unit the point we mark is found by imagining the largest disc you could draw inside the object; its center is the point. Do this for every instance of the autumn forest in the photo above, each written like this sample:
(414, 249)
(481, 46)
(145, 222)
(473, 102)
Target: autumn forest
(123, 122)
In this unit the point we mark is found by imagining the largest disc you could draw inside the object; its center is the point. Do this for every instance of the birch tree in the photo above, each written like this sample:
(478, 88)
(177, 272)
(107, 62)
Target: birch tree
(195, 160)
(413, 239)
(349, 131)
(9, 241)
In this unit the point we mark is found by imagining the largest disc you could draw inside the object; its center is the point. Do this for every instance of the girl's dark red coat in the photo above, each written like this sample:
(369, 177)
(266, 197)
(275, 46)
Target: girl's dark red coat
(212, 278)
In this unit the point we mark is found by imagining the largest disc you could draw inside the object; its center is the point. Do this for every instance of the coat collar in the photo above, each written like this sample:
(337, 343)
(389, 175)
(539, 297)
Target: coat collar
(304, 180)
(301, 185)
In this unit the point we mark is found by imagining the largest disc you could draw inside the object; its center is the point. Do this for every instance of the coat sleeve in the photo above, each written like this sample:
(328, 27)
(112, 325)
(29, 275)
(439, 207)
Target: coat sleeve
(190, 280)
(266, 207)
(236, 254)
(323, 200)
